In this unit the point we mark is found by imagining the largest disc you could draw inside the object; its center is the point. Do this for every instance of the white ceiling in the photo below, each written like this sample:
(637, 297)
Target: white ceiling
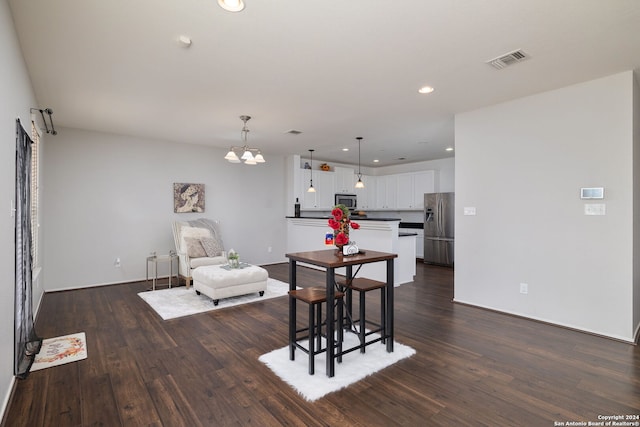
(332, 69)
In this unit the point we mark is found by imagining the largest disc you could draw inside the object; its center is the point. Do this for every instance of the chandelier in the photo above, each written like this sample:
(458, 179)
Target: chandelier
(250, 156)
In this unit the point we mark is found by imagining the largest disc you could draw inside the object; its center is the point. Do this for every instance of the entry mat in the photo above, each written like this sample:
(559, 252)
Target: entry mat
(61, 350)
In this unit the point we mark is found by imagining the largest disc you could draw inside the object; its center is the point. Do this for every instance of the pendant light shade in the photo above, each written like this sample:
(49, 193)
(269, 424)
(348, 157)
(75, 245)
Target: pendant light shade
(359, 184)
(311, 189)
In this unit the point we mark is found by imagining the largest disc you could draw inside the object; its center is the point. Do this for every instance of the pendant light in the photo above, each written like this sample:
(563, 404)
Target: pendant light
(359, 184)
(311, 189)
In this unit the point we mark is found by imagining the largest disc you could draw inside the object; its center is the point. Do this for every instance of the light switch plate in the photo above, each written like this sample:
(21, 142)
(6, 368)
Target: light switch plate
(469, 210)
(594, 209)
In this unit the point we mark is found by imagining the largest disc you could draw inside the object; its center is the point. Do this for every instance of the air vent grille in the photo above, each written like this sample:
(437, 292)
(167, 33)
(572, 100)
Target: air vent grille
(508, 59)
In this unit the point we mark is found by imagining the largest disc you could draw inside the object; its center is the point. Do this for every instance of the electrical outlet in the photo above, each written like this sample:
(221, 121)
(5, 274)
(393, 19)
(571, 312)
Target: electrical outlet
(116, 263)
(269, 249)
(524, 288)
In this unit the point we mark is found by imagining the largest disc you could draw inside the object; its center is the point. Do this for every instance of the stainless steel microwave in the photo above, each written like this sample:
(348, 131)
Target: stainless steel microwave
(349, 200)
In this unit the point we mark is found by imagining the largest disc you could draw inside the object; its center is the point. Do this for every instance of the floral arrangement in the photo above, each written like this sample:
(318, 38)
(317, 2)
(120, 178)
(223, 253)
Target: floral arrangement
(341, 224)
(233, 258)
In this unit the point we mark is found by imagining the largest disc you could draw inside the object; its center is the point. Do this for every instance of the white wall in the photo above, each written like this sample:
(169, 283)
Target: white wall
(636, 205)
(15, 101)
(522, 164)
(111, 196)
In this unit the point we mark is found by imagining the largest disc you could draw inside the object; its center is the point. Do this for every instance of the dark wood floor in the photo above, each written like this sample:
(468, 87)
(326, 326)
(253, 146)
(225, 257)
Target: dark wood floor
(473, 367)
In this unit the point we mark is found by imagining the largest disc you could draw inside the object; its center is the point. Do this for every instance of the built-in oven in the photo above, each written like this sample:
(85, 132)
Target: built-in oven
(349, 200)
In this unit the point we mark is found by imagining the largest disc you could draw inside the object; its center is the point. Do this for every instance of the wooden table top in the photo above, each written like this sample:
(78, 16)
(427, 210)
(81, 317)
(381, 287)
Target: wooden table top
(330, 259)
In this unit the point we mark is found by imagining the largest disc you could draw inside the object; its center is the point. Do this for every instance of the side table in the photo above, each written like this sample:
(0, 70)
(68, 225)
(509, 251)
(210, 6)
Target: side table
(154, 260)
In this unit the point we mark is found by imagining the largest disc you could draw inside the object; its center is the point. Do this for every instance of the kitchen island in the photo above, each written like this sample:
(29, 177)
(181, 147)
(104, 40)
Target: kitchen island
(307, 233)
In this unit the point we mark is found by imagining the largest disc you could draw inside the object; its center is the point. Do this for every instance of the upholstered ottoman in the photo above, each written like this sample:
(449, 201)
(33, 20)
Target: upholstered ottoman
(217, 281)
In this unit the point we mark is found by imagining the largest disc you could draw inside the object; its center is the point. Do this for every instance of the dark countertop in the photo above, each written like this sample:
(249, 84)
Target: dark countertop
(353, 217)
(418, 225)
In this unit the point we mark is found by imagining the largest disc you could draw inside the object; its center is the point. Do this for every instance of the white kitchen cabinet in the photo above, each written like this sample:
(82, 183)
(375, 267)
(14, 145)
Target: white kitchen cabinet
(366, 195)
(405, 198)
(411, 189)
(370, 190)
(345, 180)
(386, 192)
(419, 243)
(324, 183)
(423, 182)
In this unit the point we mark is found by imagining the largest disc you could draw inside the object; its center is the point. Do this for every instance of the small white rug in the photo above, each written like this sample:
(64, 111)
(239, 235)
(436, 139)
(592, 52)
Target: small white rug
(61, 350)
(180, 301)
(354, 367)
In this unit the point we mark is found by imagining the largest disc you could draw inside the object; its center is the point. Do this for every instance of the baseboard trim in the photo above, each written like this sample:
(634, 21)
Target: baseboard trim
(545, 322)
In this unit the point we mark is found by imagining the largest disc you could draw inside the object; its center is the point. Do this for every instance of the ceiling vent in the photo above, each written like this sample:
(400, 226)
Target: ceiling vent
(294, 132)
(508, 59)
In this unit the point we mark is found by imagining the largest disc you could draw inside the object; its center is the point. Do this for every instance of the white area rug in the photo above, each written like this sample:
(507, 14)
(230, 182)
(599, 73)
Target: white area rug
(180, 301)
(61, 350)
(354, 367)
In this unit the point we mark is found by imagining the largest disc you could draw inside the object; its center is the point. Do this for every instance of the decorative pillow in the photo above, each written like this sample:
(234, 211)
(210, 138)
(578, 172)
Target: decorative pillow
(194, 248)
(196, 232)
(211, 246)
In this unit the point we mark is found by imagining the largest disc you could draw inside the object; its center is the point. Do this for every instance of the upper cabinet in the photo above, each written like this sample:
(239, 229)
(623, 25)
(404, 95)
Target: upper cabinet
(386, 192)
(324, 183)
(345, 180)
(367, 195)
(412, 187)
(424, 182)
(402, 191)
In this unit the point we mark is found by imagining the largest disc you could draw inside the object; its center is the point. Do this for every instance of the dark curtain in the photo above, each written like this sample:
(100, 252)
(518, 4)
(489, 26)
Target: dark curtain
(27, 343)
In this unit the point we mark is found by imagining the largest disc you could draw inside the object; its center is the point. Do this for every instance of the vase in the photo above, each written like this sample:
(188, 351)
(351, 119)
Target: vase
(340, 246)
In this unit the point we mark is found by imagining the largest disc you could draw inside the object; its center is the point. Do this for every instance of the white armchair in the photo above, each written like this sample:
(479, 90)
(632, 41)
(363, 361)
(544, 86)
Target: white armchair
(198, 243)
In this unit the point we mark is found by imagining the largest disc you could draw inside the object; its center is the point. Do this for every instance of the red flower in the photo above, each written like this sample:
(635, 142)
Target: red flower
(334, 224)
(337, 214)
(355, 225)
(342, 239)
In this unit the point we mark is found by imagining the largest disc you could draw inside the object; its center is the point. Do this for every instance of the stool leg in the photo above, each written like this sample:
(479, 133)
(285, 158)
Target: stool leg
(312, 330)
(340, 329)
(349, 308)
(383, 315)
(292, 328)
(319, 326)
(362, 321)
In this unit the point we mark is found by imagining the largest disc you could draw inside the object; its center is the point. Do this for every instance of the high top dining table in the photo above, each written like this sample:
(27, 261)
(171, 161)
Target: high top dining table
(330, 260)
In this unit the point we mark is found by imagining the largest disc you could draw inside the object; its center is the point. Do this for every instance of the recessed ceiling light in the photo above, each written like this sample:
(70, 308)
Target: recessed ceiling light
(376, 161)
(449, 149)
(231, 5)
(426, 89)
(345, 149)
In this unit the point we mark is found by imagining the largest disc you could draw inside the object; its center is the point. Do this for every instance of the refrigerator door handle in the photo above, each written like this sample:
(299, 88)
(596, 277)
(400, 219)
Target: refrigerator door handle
(440, 231)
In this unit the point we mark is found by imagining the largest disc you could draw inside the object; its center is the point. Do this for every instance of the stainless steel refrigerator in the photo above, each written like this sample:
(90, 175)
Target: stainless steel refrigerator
(439, 221)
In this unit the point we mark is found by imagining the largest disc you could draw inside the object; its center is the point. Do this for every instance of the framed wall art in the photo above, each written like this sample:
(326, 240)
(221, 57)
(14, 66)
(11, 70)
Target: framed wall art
(188, 197)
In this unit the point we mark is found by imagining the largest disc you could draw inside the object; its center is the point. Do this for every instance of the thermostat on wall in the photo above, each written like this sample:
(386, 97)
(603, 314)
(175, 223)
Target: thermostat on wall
(592, 193)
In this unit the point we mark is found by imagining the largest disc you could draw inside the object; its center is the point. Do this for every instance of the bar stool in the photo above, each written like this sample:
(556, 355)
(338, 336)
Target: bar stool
(314, 297)
(364, 285)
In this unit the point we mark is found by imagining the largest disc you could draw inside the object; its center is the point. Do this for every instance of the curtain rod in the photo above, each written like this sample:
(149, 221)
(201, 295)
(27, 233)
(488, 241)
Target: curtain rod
(49, 112)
